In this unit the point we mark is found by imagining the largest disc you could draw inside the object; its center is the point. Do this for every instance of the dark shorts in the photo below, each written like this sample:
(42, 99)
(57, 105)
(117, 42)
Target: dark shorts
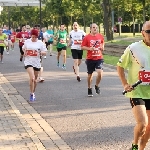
(63, 48)
(140, 101)
(77, 54)
(48, 43)
(92, 65)
(21, 51)
(1, 50)
(34, 68)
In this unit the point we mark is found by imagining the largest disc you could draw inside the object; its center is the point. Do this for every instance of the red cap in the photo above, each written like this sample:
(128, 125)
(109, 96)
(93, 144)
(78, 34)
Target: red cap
(34, 32)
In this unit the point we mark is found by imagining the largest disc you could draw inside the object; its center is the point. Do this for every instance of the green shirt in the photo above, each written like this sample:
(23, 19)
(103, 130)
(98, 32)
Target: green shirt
(136, 57)
(2, 38)
(62, 38)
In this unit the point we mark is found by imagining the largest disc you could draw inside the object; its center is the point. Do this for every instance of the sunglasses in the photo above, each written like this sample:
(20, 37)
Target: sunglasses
(147, 31)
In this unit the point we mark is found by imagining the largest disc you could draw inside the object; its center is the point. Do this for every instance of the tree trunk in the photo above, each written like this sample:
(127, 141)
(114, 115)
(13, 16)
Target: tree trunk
(84, 22)
(108, 19)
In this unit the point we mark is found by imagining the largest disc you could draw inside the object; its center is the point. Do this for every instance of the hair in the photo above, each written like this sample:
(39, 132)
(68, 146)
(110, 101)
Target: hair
(92, 24)
(62, 24)
(23, 25)
(37, 25)
(34, 32)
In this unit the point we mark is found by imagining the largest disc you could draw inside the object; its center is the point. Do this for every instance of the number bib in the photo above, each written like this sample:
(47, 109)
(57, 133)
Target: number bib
(62, 41)
(77, 42)
(1, 41)
(31, 53)
(144, 76)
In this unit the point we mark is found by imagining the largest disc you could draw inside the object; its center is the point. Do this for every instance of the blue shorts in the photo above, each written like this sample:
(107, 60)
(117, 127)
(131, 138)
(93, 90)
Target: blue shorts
(92, 65)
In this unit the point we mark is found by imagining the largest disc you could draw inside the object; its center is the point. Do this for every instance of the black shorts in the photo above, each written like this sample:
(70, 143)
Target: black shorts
(34, 68)
(63, 48)
(1, 50)
(77, 54)
(140, 101)
(94, 64)
(48, 43)
(21, 51)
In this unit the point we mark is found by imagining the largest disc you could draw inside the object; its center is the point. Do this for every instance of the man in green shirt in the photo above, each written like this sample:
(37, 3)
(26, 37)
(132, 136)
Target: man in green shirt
(3, 37)
(136, 59)
(61, 37)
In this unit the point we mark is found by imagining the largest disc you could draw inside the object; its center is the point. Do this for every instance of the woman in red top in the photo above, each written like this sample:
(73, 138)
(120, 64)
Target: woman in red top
(94, 44)
(12, 38)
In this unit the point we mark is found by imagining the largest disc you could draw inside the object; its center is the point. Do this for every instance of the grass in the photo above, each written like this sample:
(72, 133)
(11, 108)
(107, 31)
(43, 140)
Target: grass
(108, 59)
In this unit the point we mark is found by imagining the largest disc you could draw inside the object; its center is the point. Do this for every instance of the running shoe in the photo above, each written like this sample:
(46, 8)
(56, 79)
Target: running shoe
(32, 97)
(64, 67)
(7, 53)
(44, 57)
(74, 70)
(97, 89)
(41, 79)
(134, 147)
(21, 58)
(78, 78)
(58, 65)
(50, 54)
(90, 92)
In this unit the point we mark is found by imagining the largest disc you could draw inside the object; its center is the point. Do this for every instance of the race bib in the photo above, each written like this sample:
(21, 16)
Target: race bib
(31, 53)
(96, 52)
(62, 41)
(144, 76)
(77, 42)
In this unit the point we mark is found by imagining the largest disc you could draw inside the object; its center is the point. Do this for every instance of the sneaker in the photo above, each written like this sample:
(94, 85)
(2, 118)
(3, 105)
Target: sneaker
(7, 53)
(97, 89)
(64, 67)
(134, 147)
(21, 58)
(74, 70)
(44, 57)
(50, 54)
(32, 97)
(41, 79)
(78, 78)
(2, 62)
(90, 92)
(58, 65)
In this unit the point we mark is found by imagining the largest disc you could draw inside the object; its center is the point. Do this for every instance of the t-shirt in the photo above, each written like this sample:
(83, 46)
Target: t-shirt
(62, 38)
(32, 52)
(51, 33)
(136, 57)
(13, 36)
(97, 41)
(2, 38)
(76, 39)
(8, 33)
(40, 37)
(22, 37)
(46, 36)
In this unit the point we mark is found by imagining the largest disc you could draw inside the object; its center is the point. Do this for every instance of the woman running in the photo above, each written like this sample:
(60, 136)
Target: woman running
(33, 49)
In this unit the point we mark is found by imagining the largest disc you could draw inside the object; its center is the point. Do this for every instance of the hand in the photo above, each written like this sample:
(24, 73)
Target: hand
(128, 87)
(92, 48)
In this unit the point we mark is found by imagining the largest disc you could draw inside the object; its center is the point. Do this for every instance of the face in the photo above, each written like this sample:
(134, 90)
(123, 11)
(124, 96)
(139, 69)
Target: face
(34, 38)
(146, 33)
(94, 29)
(1, 30)
(23, 28)
(62, 27)
(75, 26)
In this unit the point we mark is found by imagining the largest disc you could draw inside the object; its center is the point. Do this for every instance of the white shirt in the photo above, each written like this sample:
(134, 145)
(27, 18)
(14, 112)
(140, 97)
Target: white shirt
(76, 38)
(32, 52)
(46, 36)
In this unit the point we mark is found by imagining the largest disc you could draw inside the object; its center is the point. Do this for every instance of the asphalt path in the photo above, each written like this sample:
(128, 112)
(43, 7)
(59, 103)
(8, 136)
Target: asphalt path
(101, 122)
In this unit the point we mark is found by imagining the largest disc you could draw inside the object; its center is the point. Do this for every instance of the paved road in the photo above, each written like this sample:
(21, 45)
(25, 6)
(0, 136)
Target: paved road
(102, 122)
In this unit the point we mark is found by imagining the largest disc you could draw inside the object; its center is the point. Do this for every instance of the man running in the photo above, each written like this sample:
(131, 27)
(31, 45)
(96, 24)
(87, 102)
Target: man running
(8, 33)
(136, 59)
(61, 37)
(2, 44)
(50, 40)
(75, 40)
(22, 36)
(94, 44)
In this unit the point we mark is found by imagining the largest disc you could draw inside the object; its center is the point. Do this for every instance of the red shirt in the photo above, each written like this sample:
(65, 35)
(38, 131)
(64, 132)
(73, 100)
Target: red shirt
(97, 41)
(22, 37)
(13, 37)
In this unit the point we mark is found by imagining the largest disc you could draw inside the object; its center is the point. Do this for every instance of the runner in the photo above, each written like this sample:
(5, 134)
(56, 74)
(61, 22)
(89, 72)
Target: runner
(61, 37)
(75, 40)
(8, 33)
(12, 38)
(22, 36)
(33, 49)
(136, 59)
(50, 40)
(2, 44)
(94, 44)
